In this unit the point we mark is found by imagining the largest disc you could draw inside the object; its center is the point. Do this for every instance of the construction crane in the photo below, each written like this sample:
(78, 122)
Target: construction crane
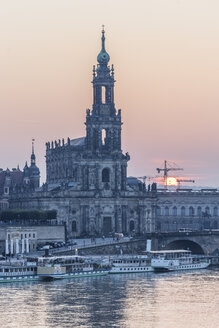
(165, 170)
(184, 180)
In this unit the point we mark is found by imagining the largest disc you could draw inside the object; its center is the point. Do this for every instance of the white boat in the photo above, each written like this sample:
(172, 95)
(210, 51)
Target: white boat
(171, 260)
(13, 270)
(131, 264)
(66, 267)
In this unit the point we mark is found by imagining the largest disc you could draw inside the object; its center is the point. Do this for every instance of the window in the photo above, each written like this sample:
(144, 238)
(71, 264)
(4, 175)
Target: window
(103, 90)
(131, 225)
(166, 211)
(215, 225)
(199, 211)
(74, 226)
(103, 137)
(183, 211)
(6, 190)
(215, 211)
(207, 210)
(191, 211)
(175, 211)
(106, 175)
(158, 211)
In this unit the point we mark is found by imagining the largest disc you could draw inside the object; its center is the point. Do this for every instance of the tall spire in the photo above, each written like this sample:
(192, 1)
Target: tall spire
(103, 58)
(103, 38)
(33, 157)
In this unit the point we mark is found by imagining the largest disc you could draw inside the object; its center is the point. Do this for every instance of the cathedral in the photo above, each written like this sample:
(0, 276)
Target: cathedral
(87, 183)
(86, 178)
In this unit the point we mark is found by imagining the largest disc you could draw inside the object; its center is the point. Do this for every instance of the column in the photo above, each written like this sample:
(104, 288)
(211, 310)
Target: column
(22, 246)
(12, 250)
(17, 246)
(27, 245)
(6, 247)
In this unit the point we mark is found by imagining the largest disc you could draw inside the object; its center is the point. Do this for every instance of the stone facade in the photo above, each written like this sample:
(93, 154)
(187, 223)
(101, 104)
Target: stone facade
(194, 210)
(87, 179)
(18, 238)
(15, 181)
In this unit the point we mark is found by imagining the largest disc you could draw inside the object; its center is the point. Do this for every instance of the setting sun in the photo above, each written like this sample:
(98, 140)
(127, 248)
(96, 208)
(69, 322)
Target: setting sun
(172, 181)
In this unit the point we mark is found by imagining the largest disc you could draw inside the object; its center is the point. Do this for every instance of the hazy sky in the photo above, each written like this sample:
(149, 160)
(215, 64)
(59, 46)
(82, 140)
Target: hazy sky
(166, 58)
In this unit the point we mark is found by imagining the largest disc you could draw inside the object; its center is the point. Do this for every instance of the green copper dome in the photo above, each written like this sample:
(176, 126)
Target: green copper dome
(103, 57)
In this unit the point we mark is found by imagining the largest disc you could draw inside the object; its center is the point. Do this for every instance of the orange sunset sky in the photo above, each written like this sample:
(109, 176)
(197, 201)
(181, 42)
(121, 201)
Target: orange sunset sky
(166, 58)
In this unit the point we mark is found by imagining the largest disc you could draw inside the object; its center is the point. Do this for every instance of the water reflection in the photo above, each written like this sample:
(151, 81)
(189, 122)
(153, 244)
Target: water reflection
(136, 300)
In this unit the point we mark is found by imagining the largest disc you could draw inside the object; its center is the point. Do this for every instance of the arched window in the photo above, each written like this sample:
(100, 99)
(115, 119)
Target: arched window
(199, 211)
(74, 226)
(166, 226)
(166, 211)
(131, 226)
(183, 211)
(215, 211)
(158, 226)
(158, 211)
(103, 94)
(175, 226)
(215, 225)
(106, 175)
(103, 137)
(175, 211)
(191, 211)
(207, 210)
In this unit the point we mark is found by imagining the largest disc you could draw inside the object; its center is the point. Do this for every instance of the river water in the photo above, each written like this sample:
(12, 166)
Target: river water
(174, 300)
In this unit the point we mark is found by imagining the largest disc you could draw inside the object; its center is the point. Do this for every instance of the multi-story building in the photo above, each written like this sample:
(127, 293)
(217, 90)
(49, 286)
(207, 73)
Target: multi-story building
(17, 181)
(87, 179)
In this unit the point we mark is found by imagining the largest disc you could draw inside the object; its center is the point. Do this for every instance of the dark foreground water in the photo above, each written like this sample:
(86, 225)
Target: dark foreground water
(173, 300)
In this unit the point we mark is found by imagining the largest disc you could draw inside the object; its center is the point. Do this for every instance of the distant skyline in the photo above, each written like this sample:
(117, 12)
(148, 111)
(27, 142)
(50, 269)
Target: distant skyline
(166, 59)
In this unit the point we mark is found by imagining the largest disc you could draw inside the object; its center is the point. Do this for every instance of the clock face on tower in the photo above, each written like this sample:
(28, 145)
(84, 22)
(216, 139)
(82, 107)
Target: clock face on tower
(104, 109)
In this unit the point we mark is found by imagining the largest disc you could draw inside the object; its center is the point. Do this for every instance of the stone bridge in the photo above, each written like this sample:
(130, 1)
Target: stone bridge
(202, 242)
(205, 242)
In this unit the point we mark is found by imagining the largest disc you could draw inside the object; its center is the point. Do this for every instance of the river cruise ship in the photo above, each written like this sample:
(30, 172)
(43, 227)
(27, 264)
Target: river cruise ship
(131, 264)
(13, 270)
(66, 267)
(171, 260)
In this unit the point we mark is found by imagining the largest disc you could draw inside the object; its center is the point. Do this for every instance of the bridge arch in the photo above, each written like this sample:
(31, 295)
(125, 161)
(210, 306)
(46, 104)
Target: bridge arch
(194, 247)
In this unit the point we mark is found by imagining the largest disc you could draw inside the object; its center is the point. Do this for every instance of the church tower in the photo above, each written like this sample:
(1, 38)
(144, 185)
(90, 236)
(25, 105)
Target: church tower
(33, 170)
(103, 126)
